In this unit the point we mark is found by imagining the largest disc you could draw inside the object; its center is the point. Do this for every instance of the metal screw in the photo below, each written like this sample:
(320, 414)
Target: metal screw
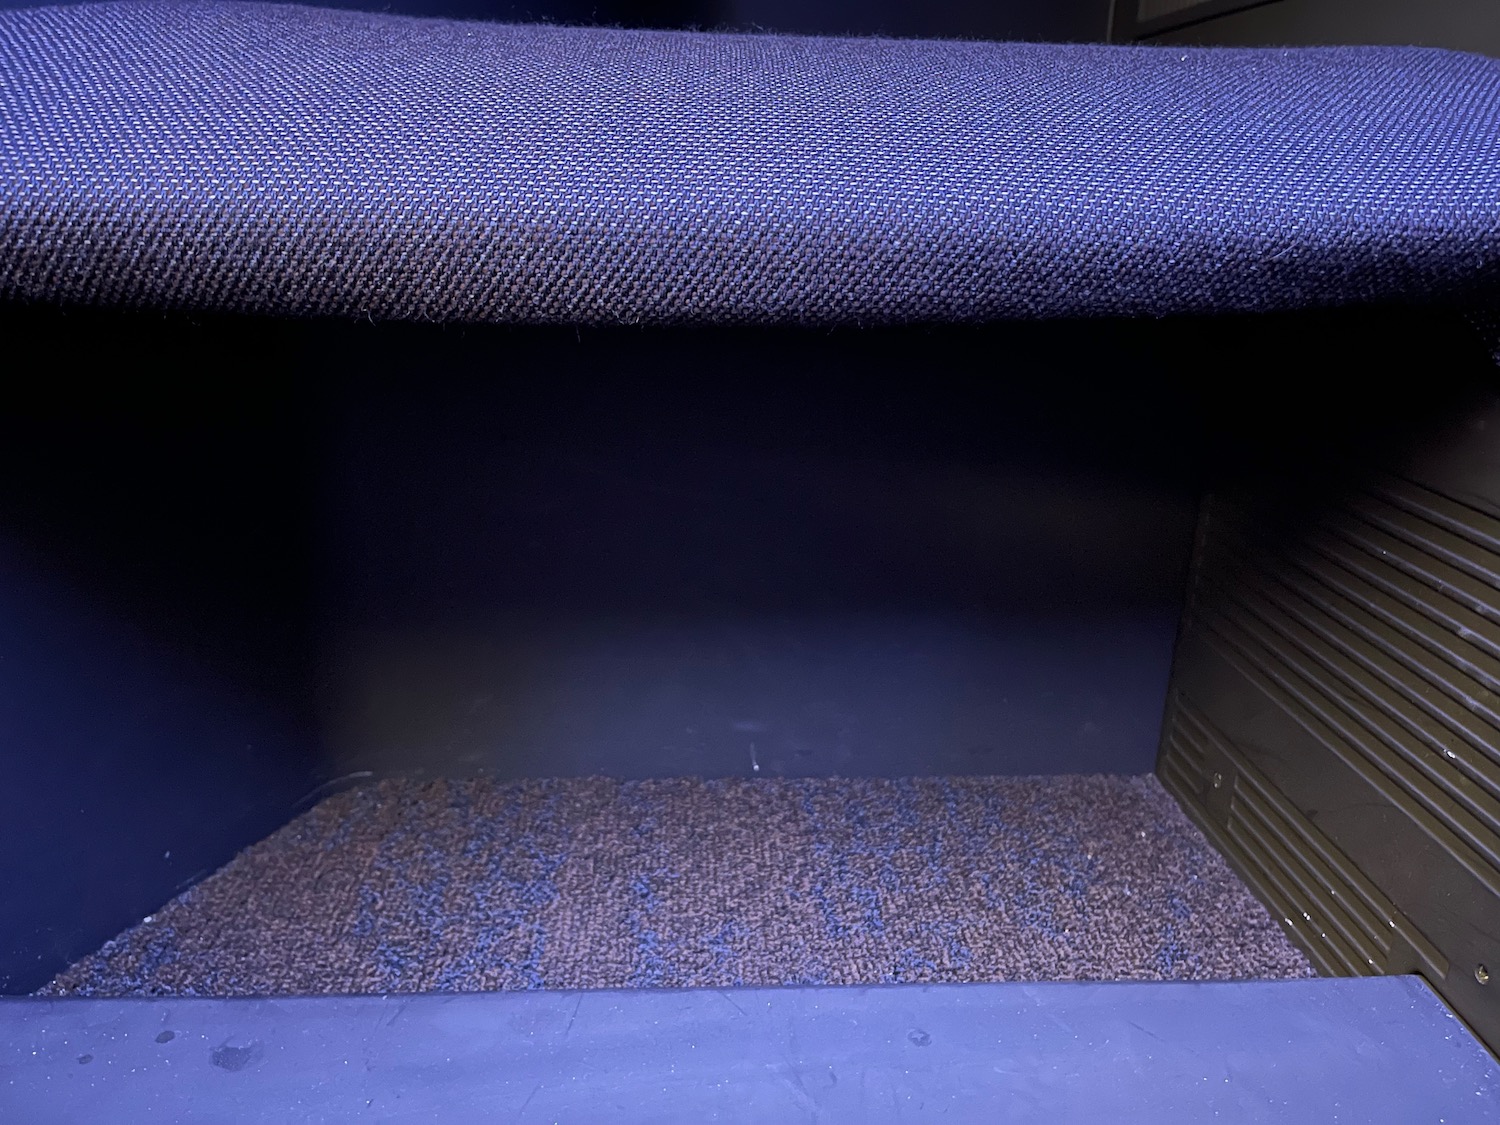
(1218, 780)
(1481, 974)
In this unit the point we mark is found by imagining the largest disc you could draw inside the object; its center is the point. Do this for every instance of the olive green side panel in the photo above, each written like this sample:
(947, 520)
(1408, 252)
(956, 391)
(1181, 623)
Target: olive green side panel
(1334, 717)
(1330, 908)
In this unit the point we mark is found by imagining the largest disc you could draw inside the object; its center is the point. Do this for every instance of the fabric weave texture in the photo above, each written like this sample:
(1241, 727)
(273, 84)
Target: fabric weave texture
(287, 160)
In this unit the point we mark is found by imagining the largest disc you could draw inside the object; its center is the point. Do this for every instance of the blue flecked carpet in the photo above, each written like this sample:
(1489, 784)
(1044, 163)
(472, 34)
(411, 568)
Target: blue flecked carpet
(462, 885)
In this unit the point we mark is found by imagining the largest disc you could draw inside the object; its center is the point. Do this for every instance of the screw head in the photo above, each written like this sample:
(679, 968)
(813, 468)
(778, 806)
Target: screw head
(1218, 780)
(1482, 974)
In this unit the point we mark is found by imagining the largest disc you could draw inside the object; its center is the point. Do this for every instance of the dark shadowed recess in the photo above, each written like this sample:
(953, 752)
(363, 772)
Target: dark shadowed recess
(1058, 21)
(243, 560)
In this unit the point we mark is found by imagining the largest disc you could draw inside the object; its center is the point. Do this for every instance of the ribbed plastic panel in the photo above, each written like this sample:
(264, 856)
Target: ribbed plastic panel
(1341, 918)
(1334, 722)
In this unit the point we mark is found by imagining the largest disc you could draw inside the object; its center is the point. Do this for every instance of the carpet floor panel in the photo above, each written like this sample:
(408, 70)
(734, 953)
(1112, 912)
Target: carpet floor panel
(472, 884)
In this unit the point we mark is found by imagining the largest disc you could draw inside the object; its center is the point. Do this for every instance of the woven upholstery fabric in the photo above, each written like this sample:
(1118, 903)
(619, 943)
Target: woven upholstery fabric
(291, 160)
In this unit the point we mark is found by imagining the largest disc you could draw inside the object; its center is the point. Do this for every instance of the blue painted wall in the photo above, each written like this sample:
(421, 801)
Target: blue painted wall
(742, 554)
(155, 711)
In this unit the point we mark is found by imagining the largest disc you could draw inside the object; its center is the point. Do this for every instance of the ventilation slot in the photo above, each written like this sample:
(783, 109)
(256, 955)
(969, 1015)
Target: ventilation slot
(1156, 9)
(1154, 16)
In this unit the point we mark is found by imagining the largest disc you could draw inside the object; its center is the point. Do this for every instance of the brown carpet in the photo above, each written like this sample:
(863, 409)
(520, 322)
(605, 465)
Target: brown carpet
(461, 885)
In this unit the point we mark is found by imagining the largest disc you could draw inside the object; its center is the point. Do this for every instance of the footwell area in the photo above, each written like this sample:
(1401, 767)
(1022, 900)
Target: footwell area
(463, 885)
